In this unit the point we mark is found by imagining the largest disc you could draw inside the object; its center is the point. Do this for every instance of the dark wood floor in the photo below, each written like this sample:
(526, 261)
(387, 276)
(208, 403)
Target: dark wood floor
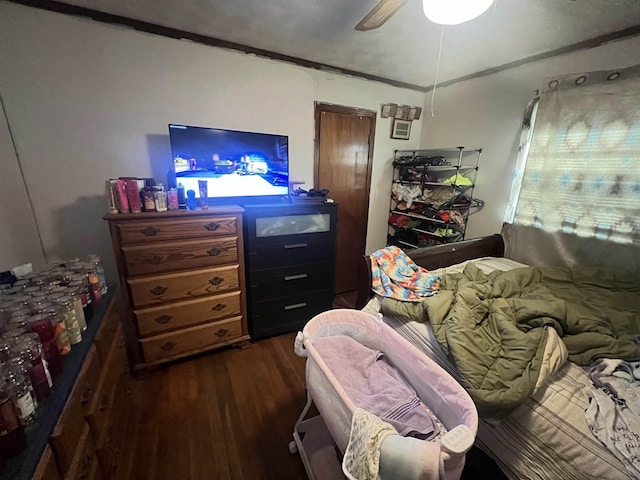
(224, 415)
(227, 415)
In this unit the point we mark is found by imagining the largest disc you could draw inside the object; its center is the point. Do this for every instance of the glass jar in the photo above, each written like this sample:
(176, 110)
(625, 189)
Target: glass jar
(61, 336)
(11, 332)
(6, 350)
(20, 389)
(70, 320)
(31, 351)
(17, 310)
(77, 306)
(83, 290)
(31, 290)
(94, 282)
(96, 260)
(21, 284)
(12, 437)
(36, 305)
(21, 299)
(42, 325)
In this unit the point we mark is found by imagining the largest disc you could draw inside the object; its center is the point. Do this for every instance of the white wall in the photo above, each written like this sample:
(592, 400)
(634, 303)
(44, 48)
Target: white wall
(487, 112)
(88, 101)
(19, 241)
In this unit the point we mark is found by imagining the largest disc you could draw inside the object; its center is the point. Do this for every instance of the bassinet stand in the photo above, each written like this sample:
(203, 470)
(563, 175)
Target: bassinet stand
(317, 450)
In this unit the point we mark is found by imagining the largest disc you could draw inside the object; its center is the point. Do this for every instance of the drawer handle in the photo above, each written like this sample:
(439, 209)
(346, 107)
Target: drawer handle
(213, 251)
(153, 259)
(150, 231)
(216, 280)
(104, 402)
(164, 319)
(86, 462)
(222, 332)
(159, 290)
(295, 305)
(86, 394)
(167, 347)
(295, 245)
(219, 306)
(296, 277)
(212, 227)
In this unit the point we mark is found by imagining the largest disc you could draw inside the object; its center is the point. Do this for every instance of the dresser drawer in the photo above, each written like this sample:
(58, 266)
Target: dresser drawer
(185, 285)
(281, 282)
(183, 314)
(299, 250)
(175, 229)
(109, 449)
(47, 468)
(84, 465)
(287, 314)
(182, 255)
(194, 338)
(107, 331)
(100, 409)
(64, 439)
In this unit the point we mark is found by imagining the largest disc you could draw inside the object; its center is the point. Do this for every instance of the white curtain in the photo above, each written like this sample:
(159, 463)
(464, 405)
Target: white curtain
(582, 172)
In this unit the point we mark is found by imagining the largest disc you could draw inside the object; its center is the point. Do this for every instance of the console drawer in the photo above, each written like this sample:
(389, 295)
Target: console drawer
(184, 255)
(173, 229)
(190, 339)
(297, 251)
(287, 314)
(182, 286)
(155, 320)
(281, 282)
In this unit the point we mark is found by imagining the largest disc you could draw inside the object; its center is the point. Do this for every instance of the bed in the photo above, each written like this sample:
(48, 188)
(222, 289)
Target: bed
(547, 436)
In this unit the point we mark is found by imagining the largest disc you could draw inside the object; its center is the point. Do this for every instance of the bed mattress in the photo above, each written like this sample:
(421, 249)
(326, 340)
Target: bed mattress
(545, 438)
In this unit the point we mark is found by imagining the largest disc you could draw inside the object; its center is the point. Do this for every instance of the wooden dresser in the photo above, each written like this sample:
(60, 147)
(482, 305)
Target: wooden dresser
(86, 440)
(78, 431)
(182, 282)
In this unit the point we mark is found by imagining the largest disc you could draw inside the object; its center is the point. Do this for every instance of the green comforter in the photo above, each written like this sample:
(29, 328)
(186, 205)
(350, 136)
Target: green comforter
(496, 328)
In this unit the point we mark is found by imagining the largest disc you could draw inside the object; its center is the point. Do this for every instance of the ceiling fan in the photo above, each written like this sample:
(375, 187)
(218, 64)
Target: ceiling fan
(444, 12)
(383, 11)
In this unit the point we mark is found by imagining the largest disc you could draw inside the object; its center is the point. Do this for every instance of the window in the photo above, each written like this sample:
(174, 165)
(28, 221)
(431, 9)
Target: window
(581, 172)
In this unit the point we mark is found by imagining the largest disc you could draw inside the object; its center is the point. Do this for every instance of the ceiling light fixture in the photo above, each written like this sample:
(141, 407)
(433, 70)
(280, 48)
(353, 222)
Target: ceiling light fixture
(454, 12)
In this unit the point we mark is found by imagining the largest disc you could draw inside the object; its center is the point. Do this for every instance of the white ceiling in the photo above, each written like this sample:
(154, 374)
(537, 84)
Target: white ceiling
(405, 49)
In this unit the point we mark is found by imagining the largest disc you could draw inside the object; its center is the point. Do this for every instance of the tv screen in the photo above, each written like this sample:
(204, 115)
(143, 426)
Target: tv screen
(233, 163)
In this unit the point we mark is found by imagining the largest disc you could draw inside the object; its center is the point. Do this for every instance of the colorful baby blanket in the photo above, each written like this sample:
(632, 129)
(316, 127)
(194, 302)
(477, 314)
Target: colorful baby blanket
(396, 276)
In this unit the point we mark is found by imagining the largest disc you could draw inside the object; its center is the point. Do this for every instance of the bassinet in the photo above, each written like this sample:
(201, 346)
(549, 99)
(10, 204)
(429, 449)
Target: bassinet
(400, 457)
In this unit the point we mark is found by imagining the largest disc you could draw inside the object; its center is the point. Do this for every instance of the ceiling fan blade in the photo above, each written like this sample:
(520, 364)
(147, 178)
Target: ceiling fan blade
(383, 11)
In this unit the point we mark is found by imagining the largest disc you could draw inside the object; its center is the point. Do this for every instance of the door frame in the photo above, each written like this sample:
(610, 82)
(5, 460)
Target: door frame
(320, 107)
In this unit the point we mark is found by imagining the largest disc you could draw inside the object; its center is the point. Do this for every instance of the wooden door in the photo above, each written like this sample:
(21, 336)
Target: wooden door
(344, 154)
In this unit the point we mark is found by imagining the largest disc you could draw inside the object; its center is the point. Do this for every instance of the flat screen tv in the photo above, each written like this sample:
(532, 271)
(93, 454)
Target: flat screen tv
(236, 165)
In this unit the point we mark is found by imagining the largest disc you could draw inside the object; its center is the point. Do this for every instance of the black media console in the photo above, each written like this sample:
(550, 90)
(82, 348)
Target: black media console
(290, 256)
